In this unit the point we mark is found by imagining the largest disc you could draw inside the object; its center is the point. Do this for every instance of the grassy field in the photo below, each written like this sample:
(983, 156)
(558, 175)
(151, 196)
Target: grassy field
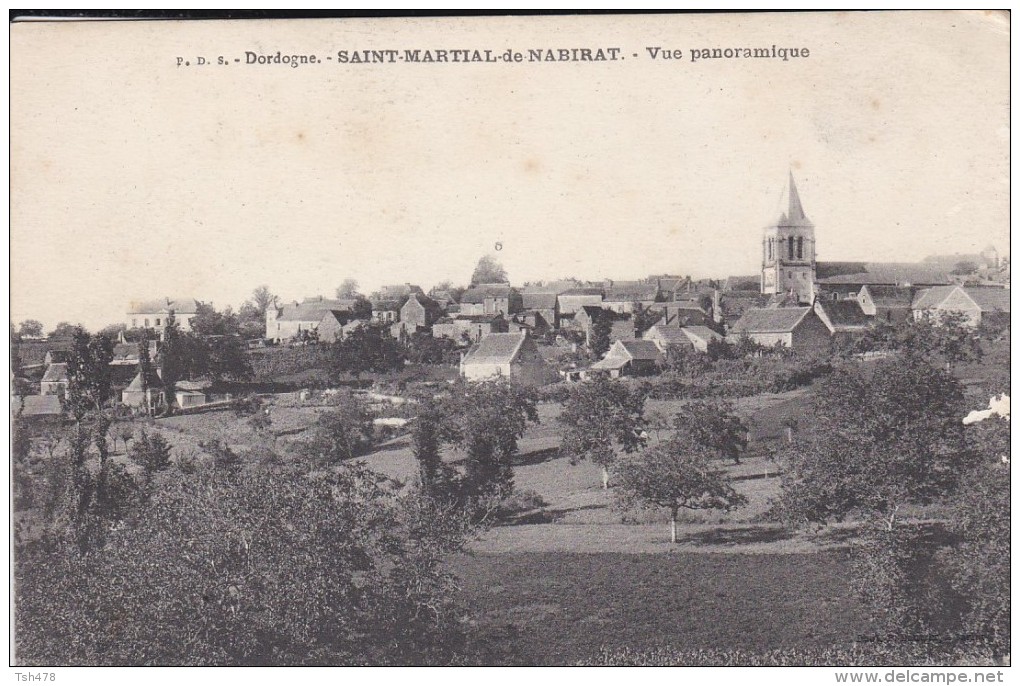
(560, 608)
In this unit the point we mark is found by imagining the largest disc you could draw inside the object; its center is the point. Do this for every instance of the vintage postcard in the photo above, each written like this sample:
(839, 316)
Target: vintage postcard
(651, 339)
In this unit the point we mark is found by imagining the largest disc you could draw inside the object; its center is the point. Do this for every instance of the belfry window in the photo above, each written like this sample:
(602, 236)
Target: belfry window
(800, 247)
(789, 245)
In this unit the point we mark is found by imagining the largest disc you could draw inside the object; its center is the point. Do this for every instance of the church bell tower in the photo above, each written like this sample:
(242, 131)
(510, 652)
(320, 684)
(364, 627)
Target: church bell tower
(788, 252)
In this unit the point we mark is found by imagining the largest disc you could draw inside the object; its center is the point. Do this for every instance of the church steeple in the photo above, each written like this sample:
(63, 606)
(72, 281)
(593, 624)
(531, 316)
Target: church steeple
(796, 211)
(788, 249)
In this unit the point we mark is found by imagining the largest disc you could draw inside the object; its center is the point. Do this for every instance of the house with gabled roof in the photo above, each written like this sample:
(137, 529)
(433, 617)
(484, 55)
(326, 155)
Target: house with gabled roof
(153, 314)
(842, 316)
(697, 337)
(290, 320)
(624, 296)
(418, 312)
(491, 298)
(513, 356)
(629, 358)
(797, 328)
(975, 303)
(887, 304)
(54, 380)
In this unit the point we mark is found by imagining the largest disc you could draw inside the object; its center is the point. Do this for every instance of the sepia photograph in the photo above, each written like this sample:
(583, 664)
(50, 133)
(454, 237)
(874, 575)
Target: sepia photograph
(676, 340)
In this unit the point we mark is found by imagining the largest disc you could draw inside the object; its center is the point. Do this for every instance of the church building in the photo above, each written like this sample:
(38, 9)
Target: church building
(788, 252)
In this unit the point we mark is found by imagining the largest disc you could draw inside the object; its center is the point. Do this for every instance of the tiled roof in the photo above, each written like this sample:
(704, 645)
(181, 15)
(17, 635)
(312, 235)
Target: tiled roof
(892, 274)
(164, 305)
(539, 301)
(38, 405)
(583, 291)
(932, 297)
(56, 372)
(312, 310)
(989, 299)
(669, 335)
(891, 296)
(844, 313)
(621, 291)
(770, 320)
(477, 294)
(642, 349)
(702, 333)
(496, 348)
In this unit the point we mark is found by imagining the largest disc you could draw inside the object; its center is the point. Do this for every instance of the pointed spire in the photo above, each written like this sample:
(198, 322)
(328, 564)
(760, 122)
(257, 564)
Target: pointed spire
(796, 211)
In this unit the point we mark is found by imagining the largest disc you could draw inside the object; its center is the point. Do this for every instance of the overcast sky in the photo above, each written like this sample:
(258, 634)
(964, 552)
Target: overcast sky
(134, 178)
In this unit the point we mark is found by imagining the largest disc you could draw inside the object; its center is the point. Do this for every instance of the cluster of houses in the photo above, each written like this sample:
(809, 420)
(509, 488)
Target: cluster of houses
(141, 395)
(795, 301)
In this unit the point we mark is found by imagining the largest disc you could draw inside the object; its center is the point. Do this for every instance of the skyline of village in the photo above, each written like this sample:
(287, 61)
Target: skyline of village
(214, 182)
(508, 257)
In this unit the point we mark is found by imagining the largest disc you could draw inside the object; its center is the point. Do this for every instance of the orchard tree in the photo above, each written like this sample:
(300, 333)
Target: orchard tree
(366, 349)
(343, 432)
(261, 299)
(488, 270)
(603, 418)
(714, 425)
(493, 416)
(677, 474)
(887, 434)
(256, 566)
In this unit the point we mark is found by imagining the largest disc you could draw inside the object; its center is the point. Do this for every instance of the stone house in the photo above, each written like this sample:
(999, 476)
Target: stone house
(797, 328)
(153, 314)
(513, 356)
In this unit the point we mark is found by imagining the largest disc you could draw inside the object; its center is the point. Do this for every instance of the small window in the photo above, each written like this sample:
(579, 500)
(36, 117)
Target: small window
(800, 247)
(157, 322)
(146, 323)
(134, 323)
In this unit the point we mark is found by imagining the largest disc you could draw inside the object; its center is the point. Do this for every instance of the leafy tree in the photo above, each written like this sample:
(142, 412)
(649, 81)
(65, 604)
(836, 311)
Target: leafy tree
(366, 349)
(601, 330)
(686, 362)
(342, 433)
(151, 452)
(348, 288)
(493, 416)
(719, 349)
(488, 270)
(148, 376)
(644, 318)
(228, 359)
(423, 348)
(173, 361)
(30, 328)
(63, 330)
(362, 308)
(602, 418)
(979, 566)
(261, 299)
(255, 567)
(888, 434)
(678, 474)
(713, 425)
(429, 430)
(208, 322)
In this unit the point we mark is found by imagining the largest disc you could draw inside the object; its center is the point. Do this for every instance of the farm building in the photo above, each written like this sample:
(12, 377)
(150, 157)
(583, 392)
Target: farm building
(491, 298)
(697, 337)
(54, 381)
(889, 304)
(842, 316)
(290, 320)
(797, 328)
(629, 358)
(507, 355)
(975, 303)
(38, 408)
